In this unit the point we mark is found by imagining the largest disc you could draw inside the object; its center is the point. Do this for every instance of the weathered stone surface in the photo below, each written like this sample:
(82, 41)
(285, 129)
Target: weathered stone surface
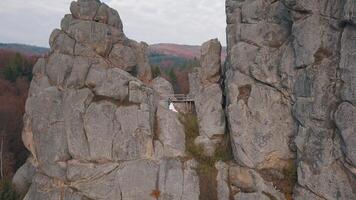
(345, 119)
(84, 9)
(101, 129)
(191, 188)
(349, 11)
(140, 93)
(260, 139)
(50, 141)
(123, 57)
(347, 69)
(79, 72)
(58, 68)
(210, 114)
(290, 97)
(171, 179)
(95, 181)
(210, 61)
(162, 86)
(134, 141)
(289, 66)
(222, 179)
(208, 98)
(243, 183)
(143, 179)
(122, 133)
(143, 68)
(170, 133)
(42, 188)
(61, 42)
(23, 178)
(76, 103)
(194, 84)
(107, 15)
(113, 82)
(100, 37)
(301, 194)
(329, 183)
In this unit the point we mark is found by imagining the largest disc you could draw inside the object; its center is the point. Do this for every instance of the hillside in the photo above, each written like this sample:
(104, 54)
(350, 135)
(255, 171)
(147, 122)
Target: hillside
(171, 59)
(173, 51)
(24, 49)
(178, 50)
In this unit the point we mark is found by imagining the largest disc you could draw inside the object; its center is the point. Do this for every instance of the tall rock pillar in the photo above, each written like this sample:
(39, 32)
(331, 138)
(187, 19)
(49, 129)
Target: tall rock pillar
(288, 82)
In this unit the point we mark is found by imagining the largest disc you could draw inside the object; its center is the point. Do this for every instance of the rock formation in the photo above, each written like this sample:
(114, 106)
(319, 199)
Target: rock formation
(98, 127)
(289, 81)
(207, 94)
(90, 121)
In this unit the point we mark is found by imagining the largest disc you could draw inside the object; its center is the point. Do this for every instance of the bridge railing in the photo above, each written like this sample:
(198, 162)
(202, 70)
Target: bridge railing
(178, 98)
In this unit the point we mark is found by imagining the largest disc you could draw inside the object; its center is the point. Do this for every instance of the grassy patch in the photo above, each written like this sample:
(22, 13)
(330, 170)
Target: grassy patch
(206, 168)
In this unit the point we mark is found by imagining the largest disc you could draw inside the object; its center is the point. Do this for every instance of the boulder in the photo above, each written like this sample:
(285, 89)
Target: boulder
(109, 16)
(85, 9)
(100, 37)
(345, 118)
(170, 133)
(210, 113)
(162, 86)
(210, 62)
(76, 103)
(123, 57)
(49, 136)
(23, 178)
(112, 83)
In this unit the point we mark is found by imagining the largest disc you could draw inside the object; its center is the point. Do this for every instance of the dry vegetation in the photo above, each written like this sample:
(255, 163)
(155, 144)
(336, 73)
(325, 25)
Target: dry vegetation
(206, 167)
(15, 75)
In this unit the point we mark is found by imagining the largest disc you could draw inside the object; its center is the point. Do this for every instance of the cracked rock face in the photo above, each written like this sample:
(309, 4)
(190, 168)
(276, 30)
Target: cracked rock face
(289, 80)
(285, 99)
(208, 97)
(90, 119)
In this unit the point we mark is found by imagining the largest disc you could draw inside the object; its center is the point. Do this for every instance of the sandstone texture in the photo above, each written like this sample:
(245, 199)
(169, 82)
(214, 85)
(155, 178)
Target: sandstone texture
(289, 79)
(94, 127)
(206, 91)
(283, 106)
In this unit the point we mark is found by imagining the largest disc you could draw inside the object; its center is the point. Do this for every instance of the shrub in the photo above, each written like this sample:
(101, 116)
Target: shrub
(155, 71)
(206, 164)
(17, 66)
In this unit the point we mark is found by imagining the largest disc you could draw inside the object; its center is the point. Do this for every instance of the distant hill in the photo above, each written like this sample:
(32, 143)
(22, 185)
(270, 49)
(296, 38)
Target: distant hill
(177, 50)
(172, 61)
(174, 51)
(24, 49)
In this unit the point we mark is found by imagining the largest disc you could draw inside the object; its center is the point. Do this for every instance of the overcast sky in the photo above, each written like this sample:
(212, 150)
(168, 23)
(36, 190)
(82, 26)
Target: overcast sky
(152, 21)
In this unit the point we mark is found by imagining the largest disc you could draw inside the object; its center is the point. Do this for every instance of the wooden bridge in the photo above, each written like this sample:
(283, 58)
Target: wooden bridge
(182, 103)
(178, 98)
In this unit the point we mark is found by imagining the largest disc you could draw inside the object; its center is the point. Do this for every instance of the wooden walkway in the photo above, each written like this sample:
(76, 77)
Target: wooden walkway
(178, 98)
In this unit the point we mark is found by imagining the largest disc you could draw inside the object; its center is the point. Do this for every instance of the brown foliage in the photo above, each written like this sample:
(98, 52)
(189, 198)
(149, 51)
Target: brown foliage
(12, 108)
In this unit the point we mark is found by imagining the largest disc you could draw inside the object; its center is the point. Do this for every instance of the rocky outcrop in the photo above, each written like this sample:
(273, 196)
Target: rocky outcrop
(91, 119)
(169, 130)
(98, 127)
(288, 81)
(206, 91)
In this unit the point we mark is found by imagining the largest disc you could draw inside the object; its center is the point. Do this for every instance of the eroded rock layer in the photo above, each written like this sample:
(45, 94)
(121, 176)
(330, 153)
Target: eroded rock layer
(289, 81)
(90, 121)
(98, 127)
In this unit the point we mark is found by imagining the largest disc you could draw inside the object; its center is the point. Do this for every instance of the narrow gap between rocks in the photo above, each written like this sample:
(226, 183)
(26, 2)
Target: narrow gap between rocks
(206, 170)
